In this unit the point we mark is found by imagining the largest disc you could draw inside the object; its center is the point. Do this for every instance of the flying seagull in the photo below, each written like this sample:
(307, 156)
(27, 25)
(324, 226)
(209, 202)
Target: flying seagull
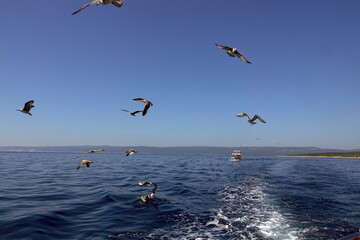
(251, 121)
(96, 150)
(232, 52)
(84, 162)
(145, 198)
(92, 151)
(147, 104)
(130, 152)
(117, 3)
(132, 113)
(27, 107)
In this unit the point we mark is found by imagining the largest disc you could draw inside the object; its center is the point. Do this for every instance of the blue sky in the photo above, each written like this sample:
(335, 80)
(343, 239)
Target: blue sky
(82, 70)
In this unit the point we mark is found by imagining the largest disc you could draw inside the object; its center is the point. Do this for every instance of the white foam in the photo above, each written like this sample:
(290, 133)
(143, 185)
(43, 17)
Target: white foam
(246, 214)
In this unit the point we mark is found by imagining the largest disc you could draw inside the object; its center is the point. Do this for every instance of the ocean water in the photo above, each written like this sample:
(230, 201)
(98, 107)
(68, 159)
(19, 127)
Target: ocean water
(42, 196)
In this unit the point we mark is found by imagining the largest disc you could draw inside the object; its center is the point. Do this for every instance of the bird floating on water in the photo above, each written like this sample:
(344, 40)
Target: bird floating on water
(145, 198)
(117, 3)
(132, 113)
(147, 104)
(232, 52)
(251, 121)
(130, 152)
(84, 162)
(27, 107)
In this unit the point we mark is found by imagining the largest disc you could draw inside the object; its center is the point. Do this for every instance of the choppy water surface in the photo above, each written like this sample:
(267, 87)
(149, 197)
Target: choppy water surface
(42, 196)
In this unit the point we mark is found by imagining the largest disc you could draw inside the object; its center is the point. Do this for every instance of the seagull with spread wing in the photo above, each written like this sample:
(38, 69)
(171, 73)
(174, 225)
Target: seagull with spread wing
(130, 152)
(27, 107)
(117, 3)
(147, 104)
(84, 162)
(232, 52)
(92, 151)
(252, 120)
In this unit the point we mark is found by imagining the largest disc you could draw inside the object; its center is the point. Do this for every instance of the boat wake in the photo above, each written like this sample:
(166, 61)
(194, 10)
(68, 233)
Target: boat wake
(247, 213)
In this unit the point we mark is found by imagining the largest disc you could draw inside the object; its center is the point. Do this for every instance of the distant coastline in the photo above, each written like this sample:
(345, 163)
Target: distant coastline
(309, 156)
(327, 155)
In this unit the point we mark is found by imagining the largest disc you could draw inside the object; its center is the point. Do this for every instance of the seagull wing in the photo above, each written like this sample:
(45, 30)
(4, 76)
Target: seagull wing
(117, 3)
(125, 110)
(85, 6)
(28, 105)
(80, 164)
(239, 55)
(243, 115)
(146, 108)
(258, 117)
(88, 164)
(224, 47)
(136, 112)
(139, 99)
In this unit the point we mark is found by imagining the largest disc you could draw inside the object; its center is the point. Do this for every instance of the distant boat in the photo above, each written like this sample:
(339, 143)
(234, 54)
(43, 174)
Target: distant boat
(236, 155)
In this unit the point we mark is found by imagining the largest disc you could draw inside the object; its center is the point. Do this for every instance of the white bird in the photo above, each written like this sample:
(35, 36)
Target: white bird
(132, 113)
(130, 152)
(117, 3)
(251, 121)
(232, 52)
(27, 107)
(147, 104)
(84, 162)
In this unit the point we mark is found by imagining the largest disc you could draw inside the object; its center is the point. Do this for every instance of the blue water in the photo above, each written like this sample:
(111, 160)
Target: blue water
(42, 196)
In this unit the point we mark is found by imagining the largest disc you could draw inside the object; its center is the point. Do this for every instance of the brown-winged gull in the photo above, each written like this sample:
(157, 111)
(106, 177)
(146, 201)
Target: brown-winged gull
(232, 52)
(147, 104)
(130, 152)
(27, 107)
(92, 151)
(252, 120)
(84, 162)
(117, 3)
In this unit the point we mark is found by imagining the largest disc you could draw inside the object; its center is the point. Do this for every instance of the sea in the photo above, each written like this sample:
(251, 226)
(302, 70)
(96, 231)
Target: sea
(43, 196)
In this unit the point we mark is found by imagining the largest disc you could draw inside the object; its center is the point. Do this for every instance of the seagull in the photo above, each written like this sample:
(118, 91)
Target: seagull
(147, 104)
(232, 52)
(251, 121)
(87, 162)
(96, 150)
(92, 151)
(27, 107)
(145, 198)
(132, 113)
(130, 152)
(117, 3)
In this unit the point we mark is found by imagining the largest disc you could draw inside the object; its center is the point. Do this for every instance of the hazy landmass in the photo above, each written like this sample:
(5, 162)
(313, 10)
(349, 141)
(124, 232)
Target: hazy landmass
(196, 150)
(330, 154)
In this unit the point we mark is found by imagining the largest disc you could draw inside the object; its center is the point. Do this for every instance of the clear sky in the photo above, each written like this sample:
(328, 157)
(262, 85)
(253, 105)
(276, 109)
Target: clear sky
(82, 70)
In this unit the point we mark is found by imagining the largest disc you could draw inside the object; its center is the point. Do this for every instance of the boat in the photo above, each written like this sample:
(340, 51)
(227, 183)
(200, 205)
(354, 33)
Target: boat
(236, 155)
